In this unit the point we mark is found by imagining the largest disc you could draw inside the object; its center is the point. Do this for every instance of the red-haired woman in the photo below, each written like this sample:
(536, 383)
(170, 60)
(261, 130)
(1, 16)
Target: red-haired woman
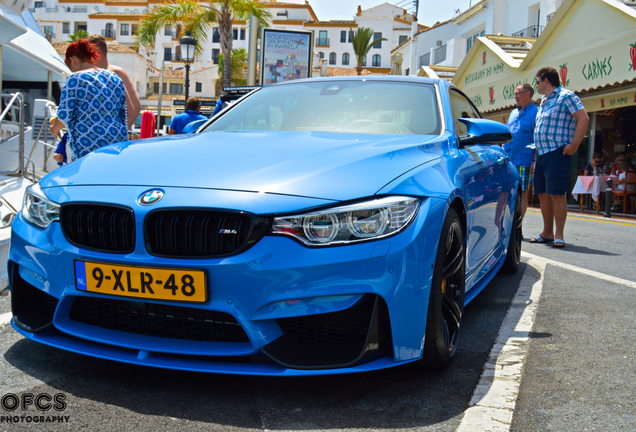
(92, 105)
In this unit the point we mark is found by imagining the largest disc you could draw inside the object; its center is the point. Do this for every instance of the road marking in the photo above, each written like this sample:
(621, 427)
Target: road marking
(5, 318)
(492, 405)
(603, 221)
(495, 396)
(599, 218)
(585, 271)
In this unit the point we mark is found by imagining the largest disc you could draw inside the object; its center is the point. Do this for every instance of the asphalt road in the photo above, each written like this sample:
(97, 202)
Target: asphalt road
(578, 374)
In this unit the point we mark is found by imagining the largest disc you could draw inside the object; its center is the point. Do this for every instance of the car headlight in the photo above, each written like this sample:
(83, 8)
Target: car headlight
(367, 220)
(38, 209)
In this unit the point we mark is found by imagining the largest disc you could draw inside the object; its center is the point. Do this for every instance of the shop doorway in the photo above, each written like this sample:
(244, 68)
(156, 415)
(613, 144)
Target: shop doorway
(616, 134)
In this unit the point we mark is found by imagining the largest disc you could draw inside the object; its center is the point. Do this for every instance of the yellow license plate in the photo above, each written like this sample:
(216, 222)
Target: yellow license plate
(141, 282)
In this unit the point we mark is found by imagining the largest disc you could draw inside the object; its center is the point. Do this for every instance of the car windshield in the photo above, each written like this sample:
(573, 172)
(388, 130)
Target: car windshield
(374, 107)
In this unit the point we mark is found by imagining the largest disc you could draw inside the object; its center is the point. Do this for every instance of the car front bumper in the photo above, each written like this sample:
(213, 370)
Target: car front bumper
(278, 308)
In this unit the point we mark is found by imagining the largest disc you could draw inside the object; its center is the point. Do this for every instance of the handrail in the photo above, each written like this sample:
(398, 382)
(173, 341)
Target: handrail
(26, 170)
(45, 128)
(47, 153)
(16, 97)
(23, 160)
(6, 201)
(6, 110)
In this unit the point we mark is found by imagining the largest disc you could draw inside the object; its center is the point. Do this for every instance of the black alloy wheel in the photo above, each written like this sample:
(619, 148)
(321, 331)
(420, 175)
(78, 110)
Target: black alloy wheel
(513, 258)
(446, 303)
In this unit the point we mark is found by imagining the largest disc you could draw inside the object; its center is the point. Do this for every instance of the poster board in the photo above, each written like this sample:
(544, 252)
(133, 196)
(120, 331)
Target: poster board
(285, 55)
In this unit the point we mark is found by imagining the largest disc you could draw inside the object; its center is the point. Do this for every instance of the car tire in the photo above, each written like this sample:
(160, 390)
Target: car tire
(446, 303)
(513, 258)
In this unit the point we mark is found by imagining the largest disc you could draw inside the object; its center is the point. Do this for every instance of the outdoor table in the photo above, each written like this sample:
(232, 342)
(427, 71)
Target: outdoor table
(591, 185)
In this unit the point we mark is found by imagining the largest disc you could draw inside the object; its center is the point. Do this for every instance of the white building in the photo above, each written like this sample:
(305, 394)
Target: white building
(118, 21)
(447, 43)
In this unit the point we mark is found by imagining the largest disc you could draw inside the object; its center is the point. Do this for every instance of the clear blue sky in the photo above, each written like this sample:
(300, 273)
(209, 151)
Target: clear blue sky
(430, 11)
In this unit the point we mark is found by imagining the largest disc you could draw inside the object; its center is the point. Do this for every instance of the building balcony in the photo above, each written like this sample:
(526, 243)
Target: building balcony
(532, 31)
(322, 42)
(425, 60)
(74, 9)
(171, 57)
(109, 34)
(440, 54)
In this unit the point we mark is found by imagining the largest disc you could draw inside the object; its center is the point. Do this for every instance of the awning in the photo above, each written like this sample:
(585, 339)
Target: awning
(29, 57)
(10, 25)
(619, 98)
(589, 60)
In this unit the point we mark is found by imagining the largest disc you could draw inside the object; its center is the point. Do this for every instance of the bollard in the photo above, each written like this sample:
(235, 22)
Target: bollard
(608, 198)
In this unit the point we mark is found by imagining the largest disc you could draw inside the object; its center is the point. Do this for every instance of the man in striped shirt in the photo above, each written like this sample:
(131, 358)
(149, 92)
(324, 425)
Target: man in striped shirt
(560, 127)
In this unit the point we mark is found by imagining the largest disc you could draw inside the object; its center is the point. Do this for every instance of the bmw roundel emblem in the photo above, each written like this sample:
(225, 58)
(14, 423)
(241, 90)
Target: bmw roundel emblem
(150, 197)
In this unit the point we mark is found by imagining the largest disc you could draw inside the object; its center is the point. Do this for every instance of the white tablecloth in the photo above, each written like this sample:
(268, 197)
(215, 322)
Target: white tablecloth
(595, 185)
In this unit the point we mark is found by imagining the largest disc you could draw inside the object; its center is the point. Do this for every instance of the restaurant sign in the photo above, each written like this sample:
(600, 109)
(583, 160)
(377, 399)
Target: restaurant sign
(611, 100)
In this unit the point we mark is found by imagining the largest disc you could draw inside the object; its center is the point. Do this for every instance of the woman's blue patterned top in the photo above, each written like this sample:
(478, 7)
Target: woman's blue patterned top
(93, 107)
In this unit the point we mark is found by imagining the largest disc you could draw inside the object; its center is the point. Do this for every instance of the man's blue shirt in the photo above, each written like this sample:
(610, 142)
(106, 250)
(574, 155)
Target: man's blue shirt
(521, 124)
(181, 120)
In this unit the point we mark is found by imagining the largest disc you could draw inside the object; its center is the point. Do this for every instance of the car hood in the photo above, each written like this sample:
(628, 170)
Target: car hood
(312, 164)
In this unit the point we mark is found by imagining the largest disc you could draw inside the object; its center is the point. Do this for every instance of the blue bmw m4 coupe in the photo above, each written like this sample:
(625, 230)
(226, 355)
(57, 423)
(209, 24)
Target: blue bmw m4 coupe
(314, 227)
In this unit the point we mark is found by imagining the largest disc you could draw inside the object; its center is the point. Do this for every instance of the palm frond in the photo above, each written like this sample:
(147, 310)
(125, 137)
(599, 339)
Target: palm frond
(242, 10)
(362, 43)
(188, 14)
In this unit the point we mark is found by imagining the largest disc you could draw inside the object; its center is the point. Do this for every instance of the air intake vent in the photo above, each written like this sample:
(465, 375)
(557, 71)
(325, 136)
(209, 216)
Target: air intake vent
(149, 319)
(99, 227)
(348, 327)
(201, 233)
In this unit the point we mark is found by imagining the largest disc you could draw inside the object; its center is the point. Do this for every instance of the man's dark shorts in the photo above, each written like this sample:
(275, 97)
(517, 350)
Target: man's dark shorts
(552, 173)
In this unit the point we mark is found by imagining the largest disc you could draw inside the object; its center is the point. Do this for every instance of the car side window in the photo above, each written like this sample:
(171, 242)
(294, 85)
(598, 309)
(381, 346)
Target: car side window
(461, 108)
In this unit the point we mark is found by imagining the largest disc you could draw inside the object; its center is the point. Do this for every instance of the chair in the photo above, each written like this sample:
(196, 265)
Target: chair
(628, 191)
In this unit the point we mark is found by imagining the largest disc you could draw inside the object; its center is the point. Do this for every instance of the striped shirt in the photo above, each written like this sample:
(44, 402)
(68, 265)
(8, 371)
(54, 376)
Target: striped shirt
(555, 125)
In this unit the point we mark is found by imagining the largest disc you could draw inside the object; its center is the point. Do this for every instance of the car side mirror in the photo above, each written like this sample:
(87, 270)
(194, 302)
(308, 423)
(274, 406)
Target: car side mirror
(485, 132)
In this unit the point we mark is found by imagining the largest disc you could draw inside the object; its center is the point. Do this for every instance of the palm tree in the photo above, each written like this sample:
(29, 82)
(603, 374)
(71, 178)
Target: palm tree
(239, 69)
(198, 18)
(362, 43)
(79, 34)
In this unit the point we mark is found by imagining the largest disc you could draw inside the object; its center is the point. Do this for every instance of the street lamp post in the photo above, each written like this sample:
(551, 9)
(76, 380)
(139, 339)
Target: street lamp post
(188, 46)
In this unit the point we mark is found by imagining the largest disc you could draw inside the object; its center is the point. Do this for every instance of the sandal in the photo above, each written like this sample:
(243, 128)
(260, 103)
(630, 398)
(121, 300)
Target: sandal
(558, 243)
(539, 239)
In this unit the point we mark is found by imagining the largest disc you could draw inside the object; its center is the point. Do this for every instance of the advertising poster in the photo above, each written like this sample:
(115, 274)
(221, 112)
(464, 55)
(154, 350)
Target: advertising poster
(285, 55)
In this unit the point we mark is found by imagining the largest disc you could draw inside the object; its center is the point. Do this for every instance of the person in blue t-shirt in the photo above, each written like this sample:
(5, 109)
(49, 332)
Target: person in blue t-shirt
(189, 115)
(522, 149)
